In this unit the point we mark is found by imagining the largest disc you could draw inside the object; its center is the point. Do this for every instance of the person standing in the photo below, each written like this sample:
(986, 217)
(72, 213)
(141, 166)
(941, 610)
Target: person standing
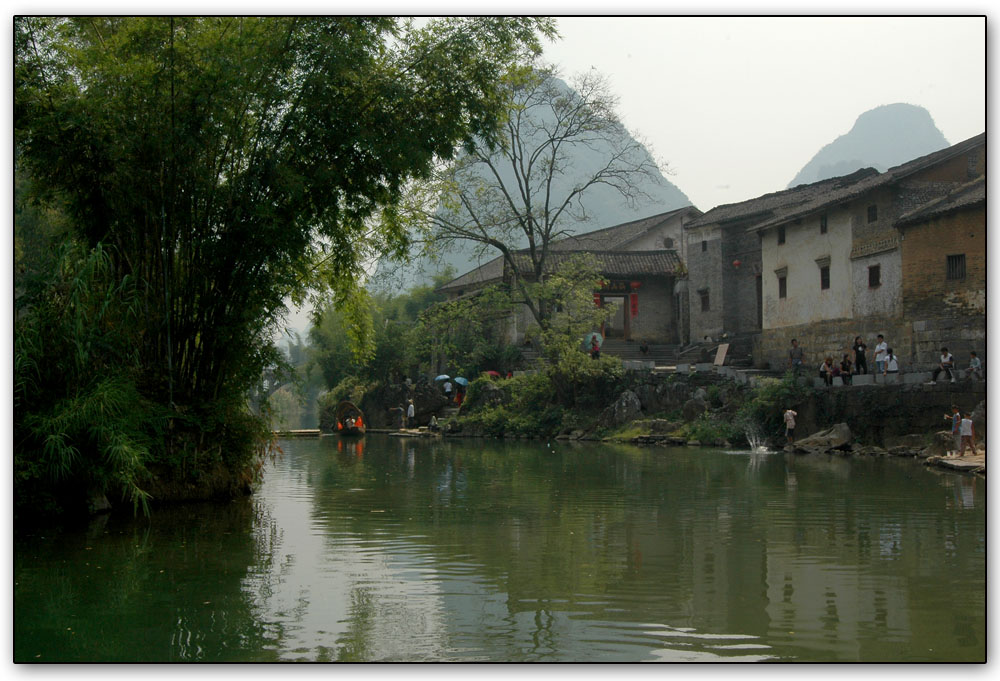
(595, 348)
(447, 389)
(975, 367)
(880, 351)
(410, 413)
(968, 434)
(860, 362)
(956, 420)
(795, 357)
(946, 365)
(790, 425)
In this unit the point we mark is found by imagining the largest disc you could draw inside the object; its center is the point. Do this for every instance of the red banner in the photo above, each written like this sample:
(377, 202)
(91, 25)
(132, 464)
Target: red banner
(597, 300)
(635, 304)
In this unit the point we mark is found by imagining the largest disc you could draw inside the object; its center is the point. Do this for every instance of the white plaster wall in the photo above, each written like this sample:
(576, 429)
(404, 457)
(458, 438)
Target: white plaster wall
(672, 228)
(806, 302)
(884, 300)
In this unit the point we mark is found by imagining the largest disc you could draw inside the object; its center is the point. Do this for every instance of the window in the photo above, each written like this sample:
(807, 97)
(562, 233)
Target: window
(668, 242)
(781, 235)
(956, 266)
(873, 213)
(704, 245)
(824, 277)
(874, 276)
(822, 224)
(705, 307)
(782, 287)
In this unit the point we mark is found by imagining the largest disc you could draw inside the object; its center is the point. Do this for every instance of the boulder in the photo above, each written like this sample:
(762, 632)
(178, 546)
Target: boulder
(625, 409)
(838, 437)
(693, 408)
(941, 443)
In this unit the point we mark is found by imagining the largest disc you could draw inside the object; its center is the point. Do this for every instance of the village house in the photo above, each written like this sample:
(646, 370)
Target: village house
(943, 259)
(725, 274)
(833, 268)
(644, 276)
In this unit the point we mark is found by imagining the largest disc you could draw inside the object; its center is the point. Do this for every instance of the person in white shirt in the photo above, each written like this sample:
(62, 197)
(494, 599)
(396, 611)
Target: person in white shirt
(409, 414)
(946, 364)
(880, 349)
(968, 433)
(891, 363)
(790, 424)
(447, 389)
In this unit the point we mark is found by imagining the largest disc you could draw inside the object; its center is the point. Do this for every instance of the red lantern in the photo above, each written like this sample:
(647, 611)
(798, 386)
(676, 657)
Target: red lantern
(736, 264)
(635, 285)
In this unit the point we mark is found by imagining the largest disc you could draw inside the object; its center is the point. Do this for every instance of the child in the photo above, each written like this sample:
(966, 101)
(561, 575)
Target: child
(846, 369)
(790, 424)
(956, 420)
(968, 434)
(975, 367)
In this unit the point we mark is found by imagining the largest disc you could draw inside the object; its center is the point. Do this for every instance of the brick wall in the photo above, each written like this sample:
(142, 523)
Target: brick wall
(945, 312)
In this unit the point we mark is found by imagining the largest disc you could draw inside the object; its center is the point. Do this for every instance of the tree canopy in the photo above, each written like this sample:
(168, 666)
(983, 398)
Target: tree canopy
(226, 164)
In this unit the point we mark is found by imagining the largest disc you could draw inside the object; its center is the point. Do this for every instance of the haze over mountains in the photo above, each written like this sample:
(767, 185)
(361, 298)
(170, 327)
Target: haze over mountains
(881, 138)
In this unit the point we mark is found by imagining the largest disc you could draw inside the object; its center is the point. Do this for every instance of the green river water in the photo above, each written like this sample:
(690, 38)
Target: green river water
(470, 550)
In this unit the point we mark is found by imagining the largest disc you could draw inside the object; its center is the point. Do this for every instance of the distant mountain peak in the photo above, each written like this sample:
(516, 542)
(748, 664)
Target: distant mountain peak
(881, 138)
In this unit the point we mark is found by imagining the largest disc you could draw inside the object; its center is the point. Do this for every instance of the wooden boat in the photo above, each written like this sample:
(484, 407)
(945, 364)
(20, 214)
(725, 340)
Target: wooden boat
(350, 420)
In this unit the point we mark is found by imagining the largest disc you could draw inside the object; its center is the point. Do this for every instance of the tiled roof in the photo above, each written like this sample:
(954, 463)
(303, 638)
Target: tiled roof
(618, 236)
(612, 238)
(965, 196)
(768, 205)
(619, 263)
(855, 189)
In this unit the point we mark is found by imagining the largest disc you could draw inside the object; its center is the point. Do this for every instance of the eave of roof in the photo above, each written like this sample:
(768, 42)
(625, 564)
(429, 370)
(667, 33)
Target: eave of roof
(966, 196)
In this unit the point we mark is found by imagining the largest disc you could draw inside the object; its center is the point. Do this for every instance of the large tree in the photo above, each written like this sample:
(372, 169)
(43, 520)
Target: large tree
(226, 164)
(558, 145)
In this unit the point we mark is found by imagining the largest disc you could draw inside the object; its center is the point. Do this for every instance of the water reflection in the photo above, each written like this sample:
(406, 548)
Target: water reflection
(400, 549)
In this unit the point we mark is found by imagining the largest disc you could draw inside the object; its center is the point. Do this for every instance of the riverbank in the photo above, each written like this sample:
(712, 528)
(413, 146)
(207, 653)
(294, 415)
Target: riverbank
(721, 407)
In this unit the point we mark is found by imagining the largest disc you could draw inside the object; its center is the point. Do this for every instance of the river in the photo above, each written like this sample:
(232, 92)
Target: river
(470, 550)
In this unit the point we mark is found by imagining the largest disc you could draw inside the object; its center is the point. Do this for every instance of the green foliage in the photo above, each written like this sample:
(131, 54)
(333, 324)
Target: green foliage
(226, 164)
(709, 428)
(78, 415)
(526, 407)
(762, 412)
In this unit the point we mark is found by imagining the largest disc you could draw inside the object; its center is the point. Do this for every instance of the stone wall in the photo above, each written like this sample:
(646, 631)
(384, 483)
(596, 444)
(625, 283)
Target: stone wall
(834, 338)
(880, 412)
(705, 275)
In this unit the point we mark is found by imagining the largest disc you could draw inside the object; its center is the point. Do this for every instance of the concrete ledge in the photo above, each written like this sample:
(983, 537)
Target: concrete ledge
(683, 368)
(917, 377)
(888, 379)
(638, 364)
(703, 366)
(863, 379)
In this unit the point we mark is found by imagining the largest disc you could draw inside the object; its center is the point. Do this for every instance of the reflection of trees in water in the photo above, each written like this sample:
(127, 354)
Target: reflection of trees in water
(677, 538)
(163, 589)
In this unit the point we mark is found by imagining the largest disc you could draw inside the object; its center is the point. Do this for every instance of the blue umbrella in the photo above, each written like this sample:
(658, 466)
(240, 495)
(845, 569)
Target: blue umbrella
(462, 381)
(592, 334)
(442, 377)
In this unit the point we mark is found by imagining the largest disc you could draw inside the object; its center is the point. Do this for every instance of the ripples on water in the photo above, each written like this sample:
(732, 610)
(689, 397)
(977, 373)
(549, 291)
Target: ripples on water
(474, 550)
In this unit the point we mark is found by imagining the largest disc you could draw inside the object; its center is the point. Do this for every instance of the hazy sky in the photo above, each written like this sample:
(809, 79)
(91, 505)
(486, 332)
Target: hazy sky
(736, 106)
